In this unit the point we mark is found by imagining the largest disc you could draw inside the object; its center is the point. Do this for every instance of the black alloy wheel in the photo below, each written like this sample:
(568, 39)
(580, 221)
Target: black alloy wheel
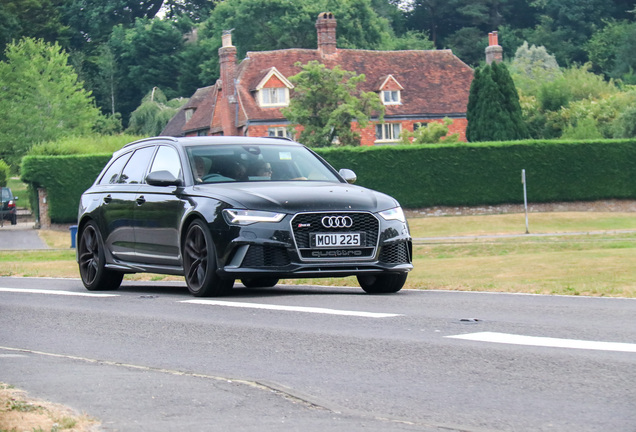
(199, 263)
(382, 283)
(264, 282)
(92, 262)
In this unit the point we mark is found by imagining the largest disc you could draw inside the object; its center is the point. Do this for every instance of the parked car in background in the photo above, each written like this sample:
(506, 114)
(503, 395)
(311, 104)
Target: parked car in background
(7, 205)
(217, 209)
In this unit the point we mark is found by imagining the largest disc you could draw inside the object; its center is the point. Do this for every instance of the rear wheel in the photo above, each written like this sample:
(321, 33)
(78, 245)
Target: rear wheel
(14, 219)
(92, 261)
(199, 263)
(382, 283)
(259, 282)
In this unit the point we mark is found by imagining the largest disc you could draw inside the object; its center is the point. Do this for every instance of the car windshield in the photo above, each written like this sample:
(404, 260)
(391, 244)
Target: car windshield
(230, 163)
(6, 194)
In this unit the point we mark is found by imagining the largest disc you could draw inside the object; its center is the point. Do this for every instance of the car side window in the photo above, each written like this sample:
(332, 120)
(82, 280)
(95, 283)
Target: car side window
(135, 169)
(112, 173)
(167, 159)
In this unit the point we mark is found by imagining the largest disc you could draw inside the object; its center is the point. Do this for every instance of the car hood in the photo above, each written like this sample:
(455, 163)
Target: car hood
(298, 196)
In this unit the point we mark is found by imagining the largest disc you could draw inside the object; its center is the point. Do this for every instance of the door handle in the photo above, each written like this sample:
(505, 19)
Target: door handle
(108, 198)
(141, 200)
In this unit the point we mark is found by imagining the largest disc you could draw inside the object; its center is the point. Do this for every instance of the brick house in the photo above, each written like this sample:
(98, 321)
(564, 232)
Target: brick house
(416, 86)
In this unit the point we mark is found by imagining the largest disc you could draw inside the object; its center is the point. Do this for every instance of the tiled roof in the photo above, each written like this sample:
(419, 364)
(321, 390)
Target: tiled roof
(177, 124)
(436, 82)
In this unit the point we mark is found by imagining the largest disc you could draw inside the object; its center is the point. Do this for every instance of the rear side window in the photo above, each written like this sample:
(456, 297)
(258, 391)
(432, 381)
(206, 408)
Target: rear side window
(167, 159)
(112, 173)
(136, 167)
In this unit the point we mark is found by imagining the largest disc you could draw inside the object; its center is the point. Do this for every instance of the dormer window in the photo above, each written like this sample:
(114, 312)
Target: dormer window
(391, 97)
(273, 89)
(274, 96)
(390, 90)
(188, 114)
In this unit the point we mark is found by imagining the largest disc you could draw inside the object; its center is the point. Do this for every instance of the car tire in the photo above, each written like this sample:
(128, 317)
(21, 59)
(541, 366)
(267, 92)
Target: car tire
(92, 261)
(14, 219)
(260, 282)
(382, 283)
(199, 263)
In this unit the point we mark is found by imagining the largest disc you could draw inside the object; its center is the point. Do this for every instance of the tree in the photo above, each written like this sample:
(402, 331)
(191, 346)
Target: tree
(532, 66)
(147, 56)
(92, 21)
(32, 18)
(412, 40)
(195, 10)
(42, 99)
(261, 25)
(625, 124)
(153, 114)
(325, 104)
(494, 112)
(430, 133)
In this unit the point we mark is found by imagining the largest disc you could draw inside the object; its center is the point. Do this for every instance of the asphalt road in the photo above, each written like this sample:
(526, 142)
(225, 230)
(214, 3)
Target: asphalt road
(151, 357)
(21, 236)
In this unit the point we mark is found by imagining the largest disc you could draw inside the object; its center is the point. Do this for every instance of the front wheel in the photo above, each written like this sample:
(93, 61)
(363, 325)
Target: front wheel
(199, 263)
(92, 261)
(382, 283)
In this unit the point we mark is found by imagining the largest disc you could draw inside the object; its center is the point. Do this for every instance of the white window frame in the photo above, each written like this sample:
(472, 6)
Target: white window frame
(387, 132)
(274, 96)
(391, 97)
(279, 131)
(189, 112)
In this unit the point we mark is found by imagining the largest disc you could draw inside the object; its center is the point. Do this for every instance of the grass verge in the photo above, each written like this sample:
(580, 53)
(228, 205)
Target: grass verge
(18, 412)
(567, 262)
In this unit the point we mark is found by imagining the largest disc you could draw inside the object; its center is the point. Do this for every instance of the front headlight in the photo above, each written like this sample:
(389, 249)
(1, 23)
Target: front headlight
(394, 214)
(247, 217)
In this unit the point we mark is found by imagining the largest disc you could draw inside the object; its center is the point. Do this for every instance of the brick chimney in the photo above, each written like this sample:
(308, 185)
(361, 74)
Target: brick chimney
(227, 63)
(326, 28)
(494, 52)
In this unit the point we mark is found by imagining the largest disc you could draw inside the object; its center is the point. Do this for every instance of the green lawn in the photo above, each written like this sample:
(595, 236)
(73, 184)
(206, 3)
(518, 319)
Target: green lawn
(19, 189)
(598, 264)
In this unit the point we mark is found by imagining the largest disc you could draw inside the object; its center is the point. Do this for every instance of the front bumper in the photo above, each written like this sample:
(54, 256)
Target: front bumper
(276, 250)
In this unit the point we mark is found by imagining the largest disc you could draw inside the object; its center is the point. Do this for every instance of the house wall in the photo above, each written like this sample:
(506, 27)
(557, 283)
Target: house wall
(367, 135)
(458, 126)
(274, 82)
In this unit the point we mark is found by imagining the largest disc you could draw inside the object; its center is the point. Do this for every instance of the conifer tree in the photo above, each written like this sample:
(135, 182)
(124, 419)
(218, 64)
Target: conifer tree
(494, 112)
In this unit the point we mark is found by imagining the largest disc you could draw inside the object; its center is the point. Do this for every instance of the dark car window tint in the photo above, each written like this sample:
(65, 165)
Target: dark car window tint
(112, 173)
(167, 159)
(136, 166)
(226, 163)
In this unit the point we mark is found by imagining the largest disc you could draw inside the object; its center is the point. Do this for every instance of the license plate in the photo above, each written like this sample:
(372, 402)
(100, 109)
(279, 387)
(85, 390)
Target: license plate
(324, 240)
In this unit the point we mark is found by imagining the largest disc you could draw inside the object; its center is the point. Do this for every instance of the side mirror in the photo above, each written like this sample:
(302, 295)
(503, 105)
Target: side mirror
(348, 175)
(162, 178)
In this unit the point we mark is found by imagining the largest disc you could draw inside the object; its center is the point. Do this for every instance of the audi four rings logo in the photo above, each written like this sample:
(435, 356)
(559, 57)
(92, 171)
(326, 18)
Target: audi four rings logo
(337, 222)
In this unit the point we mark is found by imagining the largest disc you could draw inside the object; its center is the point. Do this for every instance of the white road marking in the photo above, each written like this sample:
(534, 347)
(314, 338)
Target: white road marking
(546, 342)
(292, 308)
(55, 292)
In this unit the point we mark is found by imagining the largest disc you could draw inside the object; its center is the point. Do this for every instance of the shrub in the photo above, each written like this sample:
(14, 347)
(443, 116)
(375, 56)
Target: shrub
(4, 173)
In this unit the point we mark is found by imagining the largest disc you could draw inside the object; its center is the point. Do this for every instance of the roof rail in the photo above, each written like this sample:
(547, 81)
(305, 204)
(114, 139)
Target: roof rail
(169, 138)
(283, 138)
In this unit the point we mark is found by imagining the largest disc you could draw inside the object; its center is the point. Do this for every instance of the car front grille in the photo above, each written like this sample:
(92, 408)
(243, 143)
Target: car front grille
(266, 256)
(396, 253)
(306, 224)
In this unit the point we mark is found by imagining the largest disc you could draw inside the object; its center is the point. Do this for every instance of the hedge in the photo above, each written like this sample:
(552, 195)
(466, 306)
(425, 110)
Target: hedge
(420, 176)
(490, 173)
(65, 178)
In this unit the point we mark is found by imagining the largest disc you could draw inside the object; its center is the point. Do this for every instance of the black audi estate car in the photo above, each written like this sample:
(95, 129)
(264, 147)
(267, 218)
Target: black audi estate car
(217, 209)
